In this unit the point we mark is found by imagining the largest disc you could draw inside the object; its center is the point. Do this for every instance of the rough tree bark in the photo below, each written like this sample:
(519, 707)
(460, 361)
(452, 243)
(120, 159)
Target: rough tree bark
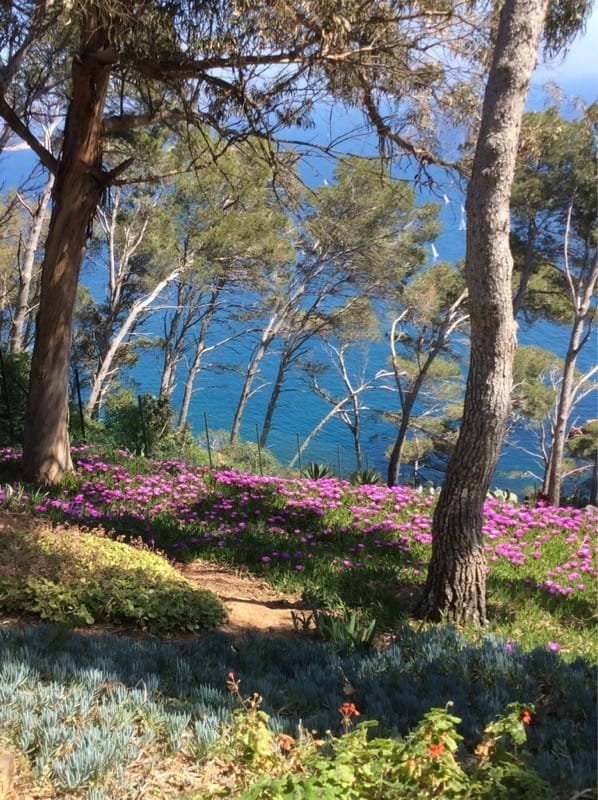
(79, 185)
(456, 582)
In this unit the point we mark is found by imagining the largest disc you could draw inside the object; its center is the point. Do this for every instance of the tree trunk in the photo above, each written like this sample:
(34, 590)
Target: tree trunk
(132, 320)
(17, 331)
(594, 481)
(582, 305)
(396, 454)
(274, 397)
(456, 582)
(200, 349)
(266, 340)
(77, 193)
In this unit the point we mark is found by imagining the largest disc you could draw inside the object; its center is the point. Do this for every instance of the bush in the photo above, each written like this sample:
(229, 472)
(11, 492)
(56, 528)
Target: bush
(77, 579)
(315, 471)
(247, 457)
(425, 764)
(14, 379)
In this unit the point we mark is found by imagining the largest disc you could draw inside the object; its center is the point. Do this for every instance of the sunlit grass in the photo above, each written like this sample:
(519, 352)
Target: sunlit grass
(342, 546)
(345, 548)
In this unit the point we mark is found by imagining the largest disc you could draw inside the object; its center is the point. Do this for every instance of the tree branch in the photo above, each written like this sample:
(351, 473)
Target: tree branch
(12, 119)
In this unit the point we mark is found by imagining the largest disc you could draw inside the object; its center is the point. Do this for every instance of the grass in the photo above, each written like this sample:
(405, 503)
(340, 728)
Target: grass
(345, 547)
(350, 549)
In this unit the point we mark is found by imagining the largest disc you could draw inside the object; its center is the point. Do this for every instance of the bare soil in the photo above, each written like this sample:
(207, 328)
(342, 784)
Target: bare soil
(252, 604)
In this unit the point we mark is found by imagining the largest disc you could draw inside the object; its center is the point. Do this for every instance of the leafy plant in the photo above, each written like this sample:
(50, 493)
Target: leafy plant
(346, 631)
(364, 477)
(78, 579)
(355, 765)
(315, 471)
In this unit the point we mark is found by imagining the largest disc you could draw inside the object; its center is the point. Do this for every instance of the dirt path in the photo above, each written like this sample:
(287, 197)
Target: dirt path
(251, 603)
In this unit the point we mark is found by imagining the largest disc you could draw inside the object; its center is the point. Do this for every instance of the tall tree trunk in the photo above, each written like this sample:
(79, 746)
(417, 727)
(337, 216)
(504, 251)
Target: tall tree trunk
(17, 331)
(266, 340)
(456, 582)
(579, 336)
(77, 193)
(138, 308)
(200, 349)
(594, 481)
(286, 359)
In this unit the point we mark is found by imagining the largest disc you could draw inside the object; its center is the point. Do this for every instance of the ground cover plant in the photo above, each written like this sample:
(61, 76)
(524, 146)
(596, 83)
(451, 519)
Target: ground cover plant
(358, 552)
(74, 578)
(360, 547)
(100, 716)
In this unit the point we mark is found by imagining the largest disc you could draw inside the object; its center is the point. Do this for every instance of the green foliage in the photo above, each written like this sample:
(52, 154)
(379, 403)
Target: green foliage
(355, 765)
(14, 379)
(315, 471)
(555, 175)
(144, 427)
(366, 476)
(533, 395)
(78, 579)
(583, 443)
(247, 457)
(164, 704)
(347, 631)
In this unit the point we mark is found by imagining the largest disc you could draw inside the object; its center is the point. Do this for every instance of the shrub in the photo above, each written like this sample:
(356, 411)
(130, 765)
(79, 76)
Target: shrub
(77, 579)
(315, 471)
(14, 379)
(425, 764)
(365, 477)
(247, 457)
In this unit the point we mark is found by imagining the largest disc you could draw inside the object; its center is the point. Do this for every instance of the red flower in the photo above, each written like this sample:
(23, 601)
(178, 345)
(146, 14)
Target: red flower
(526, 717)
(436, 750)
(349, 710)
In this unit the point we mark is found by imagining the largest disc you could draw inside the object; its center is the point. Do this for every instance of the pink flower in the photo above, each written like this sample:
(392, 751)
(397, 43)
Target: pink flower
(554, 647)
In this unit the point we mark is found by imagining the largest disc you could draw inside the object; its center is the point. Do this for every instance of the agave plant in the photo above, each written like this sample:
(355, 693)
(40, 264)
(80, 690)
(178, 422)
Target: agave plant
(362, 477)
(315, 471)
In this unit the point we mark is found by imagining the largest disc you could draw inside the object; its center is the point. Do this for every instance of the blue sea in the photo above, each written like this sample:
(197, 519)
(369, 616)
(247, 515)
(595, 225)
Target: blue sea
(300, 410)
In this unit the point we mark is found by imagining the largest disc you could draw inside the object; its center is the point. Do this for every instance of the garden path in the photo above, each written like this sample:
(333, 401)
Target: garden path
(251, 603)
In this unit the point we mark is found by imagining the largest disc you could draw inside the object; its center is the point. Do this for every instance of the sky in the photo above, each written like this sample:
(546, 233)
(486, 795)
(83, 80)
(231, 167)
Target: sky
(577, 72)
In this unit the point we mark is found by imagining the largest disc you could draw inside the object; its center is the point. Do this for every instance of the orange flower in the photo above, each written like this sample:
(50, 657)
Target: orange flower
(436, 750)
(349, 710)
(285, 742)
(526, 717)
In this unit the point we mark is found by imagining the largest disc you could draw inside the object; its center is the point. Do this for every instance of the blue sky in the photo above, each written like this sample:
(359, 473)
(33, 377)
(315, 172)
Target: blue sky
(576, 73)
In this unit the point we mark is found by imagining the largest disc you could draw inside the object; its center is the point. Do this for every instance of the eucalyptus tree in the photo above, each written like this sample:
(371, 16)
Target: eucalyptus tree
(537, 390)
(433, 309)
(555, 232)
(234, 225)
(235, 66)
(358, 237)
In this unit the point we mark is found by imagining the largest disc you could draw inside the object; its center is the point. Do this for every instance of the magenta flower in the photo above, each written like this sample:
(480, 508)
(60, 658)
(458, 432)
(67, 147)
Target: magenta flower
(554, 647)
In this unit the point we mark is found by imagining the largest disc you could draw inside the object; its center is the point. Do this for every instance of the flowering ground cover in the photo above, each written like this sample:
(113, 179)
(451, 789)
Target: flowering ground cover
(344, 546)
(94, 717)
